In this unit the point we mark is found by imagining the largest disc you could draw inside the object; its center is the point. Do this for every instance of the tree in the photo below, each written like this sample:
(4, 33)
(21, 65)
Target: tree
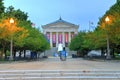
(77, 43)
(112, 28)
(8, 31)
(18, 14)
(36, 41)
(97, 38)
(2, 8)
(25, 37)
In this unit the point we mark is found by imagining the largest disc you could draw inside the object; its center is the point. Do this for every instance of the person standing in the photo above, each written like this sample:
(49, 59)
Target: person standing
(63, 54)
(60, 48)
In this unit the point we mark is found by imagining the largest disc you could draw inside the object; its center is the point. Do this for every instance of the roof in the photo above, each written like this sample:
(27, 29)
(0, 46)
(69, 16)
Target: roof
(60, 20)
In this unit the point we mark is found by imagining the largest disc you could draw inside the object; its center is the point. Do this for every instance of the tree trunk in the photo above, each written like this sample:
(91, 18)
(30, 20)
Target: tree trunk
(20, 54)
(3, 50)
(102, 52)
(24, 53)
(5, 54)
(14, 54)
(113, 51)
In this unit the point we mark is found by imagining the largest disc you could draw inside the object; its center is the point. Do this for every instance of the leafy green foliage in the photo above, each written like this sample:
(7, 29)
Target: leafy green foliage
(18, 14)
(97, 38)
(2, 8)
(25, 37)
(36, 41)
(77, 41)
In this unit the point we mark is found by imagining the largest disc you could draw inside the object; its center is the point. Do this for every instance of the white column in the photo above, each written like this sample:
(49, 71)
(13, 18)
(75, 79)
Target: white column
(69, 36)
(44, 32)
(51, 39)
(63, 38)
(56, 39)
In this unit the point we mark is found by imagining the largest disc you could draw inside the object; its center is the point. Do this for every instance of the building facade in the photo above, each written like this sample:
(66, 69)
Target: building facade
(60, 31)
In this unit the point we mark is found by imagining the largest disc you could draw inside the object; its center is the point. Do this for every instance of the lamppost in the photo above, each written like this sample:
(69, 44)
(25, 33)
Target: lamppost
(107, 37)
(11, 41)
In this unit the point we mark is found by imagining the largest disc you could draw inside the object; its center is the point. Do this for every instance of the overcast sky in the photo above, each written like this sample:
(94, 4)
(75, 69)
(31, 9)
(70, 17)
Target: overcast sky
(78, 12)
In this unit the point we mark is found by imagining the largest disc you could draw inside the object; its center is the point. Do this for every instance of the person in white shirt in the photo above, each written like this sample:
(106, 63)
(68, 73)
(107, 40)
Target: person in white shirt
(60, 48)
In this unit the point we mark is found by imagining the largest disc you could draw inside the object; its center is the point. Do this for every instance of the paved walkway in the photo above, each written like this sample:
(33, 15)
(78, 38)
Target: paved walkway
(54, 69)
(56, 64)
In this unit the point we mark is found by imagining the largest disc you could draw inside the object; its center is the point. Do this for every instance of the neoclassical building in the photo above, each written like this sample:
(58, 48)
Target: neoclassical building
(60, 31)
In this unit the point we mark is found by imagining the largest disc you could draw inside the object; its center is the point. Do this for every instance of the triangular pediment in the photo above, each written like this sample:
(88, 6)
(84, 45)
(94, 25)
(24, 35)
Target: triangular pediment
(59, 23)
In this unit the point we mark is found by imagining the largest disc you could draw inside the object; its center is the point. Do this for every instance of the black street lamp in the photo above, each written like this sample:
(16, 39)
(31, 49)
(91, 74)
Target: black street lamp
(107, 37)
(11, 41)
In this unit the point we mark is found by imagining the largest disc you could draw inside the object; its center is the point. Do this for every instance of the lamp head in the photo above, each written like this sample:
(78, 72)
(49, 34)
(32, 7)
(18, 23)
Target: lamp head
(107, 19)
(11, 20)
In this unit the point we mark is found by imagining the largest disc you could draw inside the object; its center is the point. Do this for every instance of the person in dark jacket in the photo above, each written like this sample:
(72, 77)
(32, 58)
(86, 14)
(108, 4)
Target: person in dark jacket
(63, 54)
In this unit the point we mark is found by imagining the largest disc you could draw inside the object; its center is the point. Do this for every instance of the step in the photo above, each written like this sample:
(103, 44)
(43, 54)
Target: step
(58, 75)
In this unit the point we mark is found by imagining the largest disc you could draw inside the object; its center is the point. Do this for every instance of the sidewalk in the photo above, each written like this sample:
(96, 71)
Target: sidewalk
(52, 63)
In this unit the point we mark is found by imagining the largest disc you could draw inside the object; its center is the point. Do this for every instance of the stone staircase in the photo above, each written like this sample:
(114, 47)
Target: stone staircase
(54, 50)
(58, 75)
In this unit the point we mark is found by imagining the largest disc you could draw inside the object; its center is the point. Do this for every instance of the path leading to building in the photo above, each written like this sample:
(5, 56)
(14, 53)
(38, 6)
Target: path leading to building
(54, 69)
(56, 64)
